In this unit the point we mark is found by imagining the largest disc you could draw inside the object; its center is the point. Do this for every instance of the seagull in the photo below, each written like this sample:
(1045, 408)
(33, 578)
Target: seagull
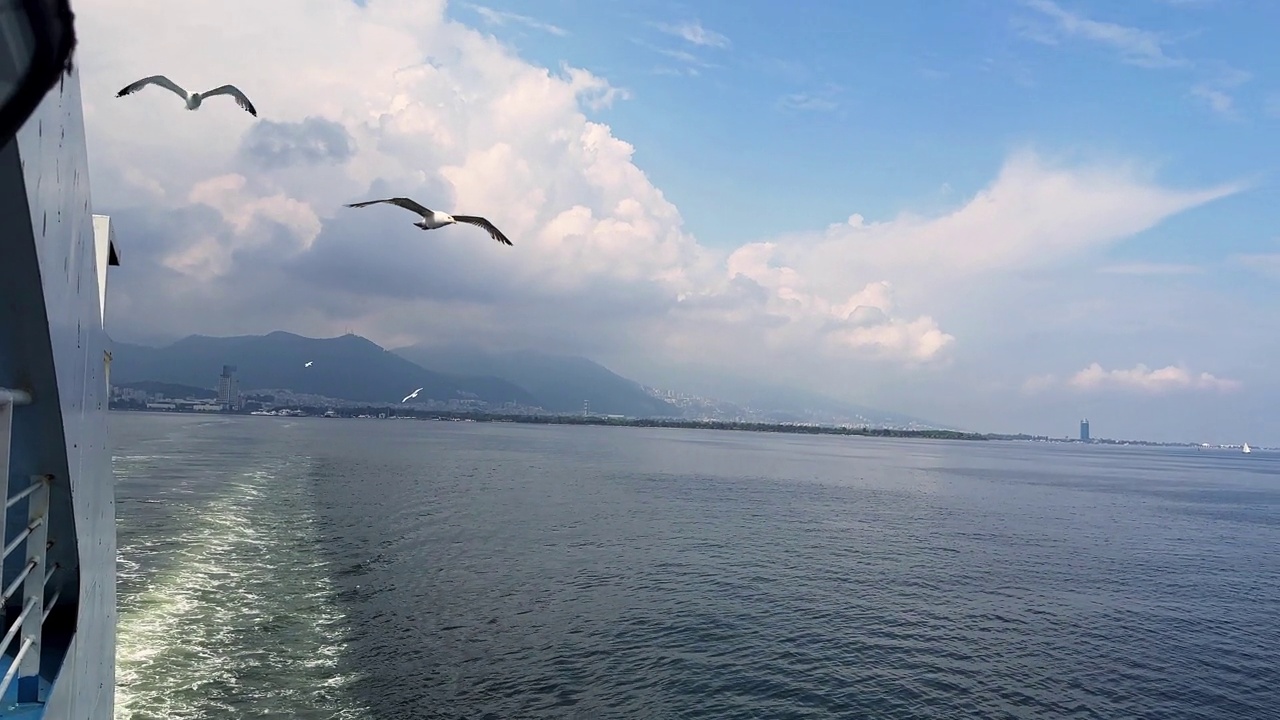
(433, 219)
(308, 364)
(193, 99)
(411, 395)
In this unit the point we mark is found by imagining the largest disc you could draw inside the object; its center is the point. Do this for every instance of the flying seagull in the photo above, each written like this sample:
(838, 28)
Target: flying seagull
(433, 219)
(308, 363)
(193, 99)
(411, 395)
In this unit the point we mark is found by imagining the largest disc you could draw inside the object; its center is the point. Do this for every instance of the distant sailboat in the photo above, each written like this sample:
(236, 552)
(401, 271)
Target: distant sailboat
(1247, 449)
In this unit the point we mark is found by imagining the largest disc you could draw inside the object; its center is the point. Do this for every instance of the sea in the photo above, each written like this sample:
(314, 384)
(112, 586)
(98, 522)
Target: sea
(346, 568)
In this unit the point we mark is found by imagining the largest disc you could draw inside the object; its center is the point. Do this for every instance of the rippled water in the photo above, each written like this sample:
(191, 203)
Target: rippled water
(339, 568)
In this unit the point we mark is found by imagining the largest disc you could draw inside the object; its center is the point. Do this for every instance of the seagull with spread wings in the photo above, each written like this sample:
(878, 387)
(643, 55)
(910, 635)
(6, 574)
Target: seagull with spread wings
(433, 219)
(194, 99)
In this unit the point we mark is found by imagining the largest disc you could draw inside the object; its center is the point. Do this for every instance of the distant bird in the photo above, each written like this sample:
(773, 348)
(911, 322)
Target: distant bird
(433, 219)
(308, 364)
(193, 99)
(411, 395)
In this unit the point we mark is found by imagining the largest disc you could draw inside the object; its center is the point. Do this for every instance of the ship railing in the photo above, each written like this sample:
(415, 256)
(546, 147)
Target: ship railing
(33, 542)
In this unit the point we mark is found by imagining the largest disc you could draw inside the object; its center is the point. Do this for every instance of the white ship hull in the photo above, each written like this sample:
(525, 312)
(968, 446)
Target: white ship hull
(53, 262)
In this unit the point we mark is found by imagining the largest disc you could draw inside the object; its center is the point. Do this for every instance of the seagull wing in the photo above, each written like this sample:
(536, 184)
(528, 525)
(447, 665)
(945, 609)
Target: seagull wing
(405, 203)
(494, 232)
(160, 80)
(234, 92)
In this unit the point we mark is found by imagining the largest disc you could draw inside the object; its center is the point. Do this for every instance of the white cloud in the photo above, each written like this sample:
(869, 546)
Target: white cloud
(1143, 48)
(1271, 105)
(236, 225)
(1140, 379)
(1151, 269)
(862, 321)
(1267, 264)
(1034, 214)
(1217, 99)
(823, 99)
(501, 17)
(1136, 46)
(694, 34)
(689, 63)
(691, 31)
(1215, 89)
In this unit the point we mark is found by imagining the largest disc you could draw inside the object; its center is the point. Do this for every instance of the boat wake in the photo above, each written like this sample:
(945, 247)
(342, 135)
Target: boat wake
(226, 608)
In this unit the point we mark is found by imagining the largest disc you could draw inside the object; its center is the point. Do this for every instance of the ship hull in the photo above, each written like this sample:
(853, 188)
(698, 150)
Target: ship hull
(53, 342)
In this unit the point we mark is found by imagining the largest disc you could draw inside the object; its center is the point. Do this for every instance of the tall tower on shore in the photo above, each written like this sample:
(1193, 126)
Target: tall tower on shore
(228, 388)
(1084, 430)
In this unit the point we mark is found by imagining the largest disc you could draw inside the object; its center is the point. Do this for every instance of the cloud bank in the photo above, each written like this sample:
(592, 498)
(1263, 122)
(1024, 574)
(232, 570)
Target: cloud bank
(236, 225)
(1140, 379)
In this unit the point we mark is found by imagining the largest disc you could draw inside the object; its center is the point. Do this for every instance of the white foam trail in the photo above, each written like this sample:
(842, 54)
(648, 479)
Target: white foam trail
(194, 632)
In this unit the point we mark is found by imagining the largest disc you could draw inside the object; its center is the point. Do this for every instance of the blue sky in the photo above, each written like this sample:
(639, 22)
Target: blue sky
(998, 214)
(908, 97)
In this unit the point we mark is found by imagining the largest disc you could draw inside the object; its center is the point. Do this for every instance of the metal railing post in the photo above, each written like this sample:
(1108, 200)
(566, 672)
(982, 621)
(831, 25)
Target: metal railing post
(8, 399)
(6, 439)
(33, 591)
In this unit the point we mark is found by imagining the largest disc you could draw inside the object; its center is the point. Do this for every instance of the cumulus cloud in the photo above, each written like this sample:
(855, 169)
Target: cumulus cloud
(236, 225)
(315, 140)
(1140, 379)
(864, 320)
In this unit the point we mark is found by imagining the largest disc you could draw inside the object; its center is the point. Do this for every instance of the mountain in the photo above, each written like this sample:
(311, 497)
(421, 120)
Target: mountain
(811, 405)
(172, 390)
(721, 393)
(353, 368)
(791, 409)
(559, 383)
(347, 367)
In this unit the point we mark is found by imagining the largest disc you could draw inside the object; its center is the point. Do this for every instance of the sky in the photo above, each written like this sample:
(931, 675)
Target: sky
(1003, 215)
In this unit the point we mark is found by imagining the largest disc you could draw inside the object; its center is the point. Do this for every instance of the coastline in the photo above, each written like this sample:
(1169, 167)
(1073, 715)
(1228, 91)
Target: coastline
(371, 412)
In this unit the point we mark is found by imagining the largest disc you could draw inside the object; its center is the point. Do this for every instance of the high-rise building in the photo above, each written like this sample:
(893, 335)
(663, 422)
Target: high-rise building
(228, 388)
(1084, 430)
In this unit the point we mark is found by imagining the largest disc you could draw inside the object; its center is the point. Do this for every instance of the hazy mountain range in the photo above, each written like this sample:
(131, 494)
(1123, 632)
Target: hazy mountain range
(561, 384)
(353, 368)
(347, 367)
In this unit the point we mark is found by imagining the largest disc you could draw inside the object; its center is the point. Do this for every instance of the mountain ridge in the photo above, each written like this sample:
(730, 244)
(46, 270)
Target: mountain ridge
(560, 383)
(353, 368)
(348, 367)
